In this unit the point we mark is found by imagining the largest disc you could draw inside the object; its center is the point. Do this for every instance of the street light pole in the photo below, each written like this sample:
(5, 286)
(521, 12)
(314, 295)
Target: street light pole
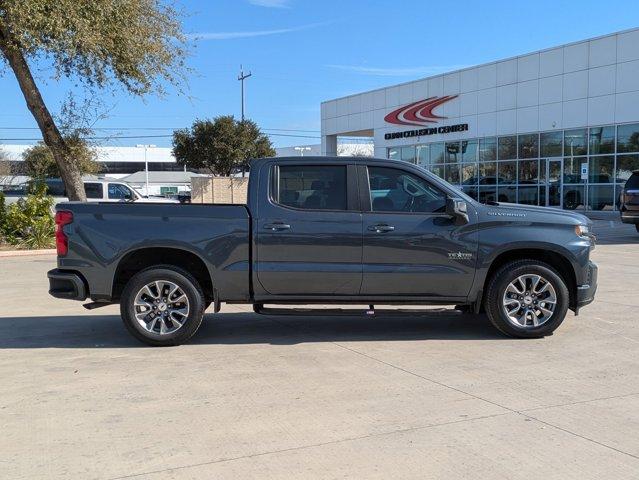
(146, 164)
(241, 77)
(302, 150)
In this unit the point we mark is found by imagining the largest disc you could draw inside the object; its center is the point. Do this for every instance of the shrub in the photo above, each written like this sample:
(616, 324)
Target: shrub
(29, 222)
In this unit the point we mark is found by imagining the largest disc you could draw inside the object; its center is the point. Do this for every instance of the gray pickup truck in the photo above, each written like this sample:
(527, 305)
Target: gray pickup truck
(321, 230)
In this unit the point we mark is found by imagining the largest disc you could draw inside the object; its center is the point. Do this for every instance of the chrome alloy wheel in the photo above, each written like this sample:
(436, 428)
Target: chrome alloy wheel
(529, 301)
(161, 307)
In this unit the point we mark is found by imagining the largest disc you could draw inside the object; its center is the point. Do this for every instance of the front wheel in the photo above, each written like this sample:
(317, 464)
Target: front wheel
(162, 306)
(526, 299)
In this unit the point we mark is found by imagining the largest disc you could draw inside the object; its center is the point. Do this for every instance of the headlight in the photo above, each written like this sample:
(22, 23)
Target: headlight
(582, 231)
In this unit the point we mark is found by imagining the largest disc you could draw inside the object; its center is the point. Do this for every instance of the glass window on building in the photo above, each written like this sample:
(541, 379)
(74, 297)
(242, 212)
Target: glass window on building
(423, 157)
(437, 152)
(488, 173)
(453, 152)
(394, 153)
(528, 195)
(470, 191)
(528, 146)
(487, 149)
(628, 138)
(438, 170)
(574, 197)
(601, 169)
(507, 172)
(601, 197)
(507, 148)
(469, 150)
(528, 171)
(469, 174)
(408, 154)
(575, 142)
(601, 140)
(572, 169)
(507, 193)
(626, 164)
(551, 144)
(487, 194)
(452, 173)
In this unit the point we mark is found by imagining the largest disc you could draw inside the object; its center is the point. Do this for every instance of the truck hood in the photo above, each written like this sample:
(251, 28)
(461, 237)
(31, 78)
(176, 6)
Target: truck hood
(535, 213)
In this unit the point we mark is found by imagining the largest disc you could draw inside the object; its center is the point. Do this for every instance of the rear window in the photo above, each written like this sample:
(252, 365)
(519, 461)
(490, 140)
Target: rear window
(93, 190)
(312, 187)
(633, 182)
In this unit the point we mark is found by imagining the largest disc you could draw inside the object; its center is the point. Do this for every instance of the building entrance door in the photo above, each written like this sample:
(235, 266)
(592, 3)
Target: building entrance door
(554, 182)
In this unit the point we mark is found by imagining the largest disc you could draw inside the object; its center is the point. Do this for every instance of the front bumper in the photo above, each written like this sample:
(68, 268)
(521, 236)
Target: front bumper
(66, 284)
(628, 217)
(586, 292)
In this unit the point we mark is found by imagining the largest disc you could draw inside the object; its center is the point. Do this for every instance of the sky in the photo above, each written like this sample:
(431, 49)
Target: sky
(302, 52)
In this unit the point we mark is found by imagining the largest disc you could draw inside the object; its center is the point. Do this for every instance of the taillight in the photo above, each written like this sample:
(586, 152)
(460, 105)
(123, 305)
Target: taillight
(62, 218)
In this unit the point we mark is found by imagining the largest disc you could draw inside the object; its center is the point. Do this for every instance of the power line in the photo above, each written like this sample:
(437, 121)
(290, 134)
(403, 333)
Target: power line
(116, 137)
(166, 128)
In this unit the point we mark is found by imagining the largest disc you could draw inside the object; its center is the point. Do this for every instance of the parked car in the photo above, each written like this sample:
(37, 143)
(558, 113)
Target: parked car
(96, 191)
(322, 230)
(629, 200)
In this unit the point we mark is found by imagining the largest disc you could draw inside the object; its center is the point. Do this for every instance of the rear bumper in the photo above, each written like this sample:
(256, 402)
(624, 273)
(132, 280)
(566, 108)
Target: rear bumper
(67, 284)
(586, 292)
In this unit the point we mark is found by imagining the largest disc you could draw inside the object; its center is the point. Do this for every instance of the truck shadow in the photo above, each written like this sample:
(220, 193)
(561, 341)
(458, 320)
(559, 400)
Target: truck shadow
(107, 331)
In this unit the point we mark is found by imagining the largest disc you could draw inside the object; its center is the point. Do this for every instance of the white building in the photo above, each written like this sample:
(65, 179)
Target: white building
(557, 127)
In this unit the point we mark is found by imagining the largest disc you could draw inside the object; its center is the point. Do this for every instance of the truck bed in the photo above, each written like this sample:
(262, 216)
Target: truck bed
(103, 234)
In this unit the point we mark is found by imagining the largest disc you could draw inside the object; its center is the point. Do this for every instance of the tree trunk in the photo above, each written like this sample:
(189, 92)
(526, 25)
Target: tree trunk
(52, 137)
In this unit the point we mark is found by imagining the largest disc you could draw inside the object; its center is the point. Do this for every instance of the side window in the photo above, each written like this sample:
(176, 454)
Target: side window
(119, 192)
(93, 190)
(395, 190)
(312, 187)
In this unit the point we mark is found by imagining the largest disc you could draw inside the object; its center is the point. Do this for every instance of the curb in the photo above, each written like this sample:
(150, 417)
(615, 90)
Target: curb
(26, 253)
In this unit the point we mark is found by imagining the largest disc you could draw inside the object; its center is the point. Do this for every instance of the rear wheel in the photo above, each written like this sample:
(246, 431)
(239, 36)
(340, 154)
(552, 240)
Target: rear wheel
(526, 299)
(162, 306)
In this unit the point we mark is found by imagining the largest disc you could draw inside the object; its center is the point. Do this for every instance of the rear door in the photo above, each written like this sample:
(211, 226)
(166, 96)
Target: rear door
(411, 247)
(309, 230)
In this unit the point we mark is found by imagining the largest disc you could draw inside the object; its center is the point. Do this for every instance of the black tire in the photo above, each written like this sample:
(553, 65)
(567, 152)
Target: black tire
(497, 285)
(637, 227)
(186, 282)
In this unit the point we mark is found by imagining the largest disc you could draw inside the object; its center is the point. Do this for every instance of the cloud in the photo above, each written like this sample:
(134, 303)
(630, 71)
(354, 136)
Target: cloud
(270, 3)
(251, 33)
(397, 72)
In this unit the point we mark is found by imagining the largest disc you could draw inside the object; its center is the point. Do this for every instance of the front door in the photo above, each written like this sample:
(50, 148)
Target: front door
(309, 232)
(411, 247)
(554, 183)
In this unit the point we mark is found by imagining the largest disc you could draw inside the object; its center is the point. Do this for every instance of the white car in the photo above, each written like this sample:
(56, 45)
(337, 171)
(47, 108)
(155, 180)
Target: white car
(97, 191)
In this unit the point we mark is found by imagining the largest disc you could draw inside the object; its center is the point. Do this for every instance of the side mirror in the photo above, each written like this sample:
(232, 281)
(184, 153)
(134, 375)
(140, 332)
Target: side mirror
(458, 210)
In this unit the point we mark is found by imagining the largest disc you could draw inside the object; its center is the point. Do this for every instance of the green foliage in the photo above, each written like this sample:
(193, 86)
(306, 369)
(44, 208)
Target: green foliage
(39, 162)
(28, 222)
(136, 43)
(220, 145)
(2, 210)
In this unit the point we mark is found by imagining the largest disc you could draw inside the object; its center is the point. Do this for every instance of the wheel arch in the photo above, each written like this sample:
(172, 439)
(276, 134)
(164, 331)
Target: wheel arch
(558, 260)
(142, 258)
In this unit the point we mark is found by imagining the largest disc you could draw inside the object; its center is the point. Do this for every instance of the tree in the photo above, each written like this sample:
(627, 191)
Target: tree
(134, 44)
(220, 145)
(39, 162)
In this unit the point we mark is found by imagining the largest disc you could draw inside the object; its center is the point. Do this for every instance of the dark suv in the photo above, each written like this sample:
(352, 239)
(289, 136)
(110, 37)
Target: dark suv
(629, 200)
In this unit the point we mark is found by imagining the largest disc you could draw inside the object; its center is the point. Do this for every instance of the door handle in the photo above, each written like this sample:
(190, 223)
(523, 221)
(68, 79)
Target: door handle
(381, 228)
(277, 226)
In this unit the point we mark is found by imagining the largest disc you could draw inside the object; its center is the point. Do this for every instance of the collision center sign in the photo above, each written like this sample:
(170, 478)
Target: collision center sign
(421, 114)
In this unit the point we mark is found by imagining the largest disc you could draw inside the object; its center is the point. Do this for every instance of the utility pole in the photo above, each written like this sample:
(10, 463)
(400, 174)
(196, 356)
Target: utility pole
(146, 164)
(241, 77)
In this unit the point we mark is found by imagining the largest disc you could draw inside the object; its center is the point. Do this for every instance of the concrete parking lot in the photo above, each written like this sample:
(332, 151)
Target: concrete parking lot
(439, 396)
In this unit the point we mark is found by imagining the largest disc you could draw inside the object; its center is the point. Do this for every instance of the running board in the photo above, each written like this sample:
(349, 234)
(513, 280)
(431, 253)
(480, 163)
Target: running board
(336, 312)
